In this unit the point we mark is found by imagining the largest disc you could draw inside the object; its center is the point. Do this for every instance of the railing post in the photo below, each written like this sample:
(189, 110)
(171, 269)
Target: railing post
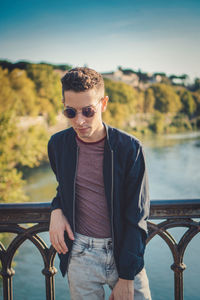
(178, 280)
(7, 283)
(49, 280)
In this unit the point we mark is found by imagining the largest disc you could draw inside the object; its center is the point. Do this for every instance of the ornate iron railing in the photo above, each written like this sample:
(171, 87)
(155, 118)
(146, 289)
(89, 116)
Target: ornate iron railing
(173, 213)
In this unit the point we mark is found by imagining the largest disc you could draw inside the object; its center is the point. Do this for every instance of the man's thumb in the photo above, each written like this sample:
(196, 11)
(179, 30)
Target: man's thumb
(69, 231)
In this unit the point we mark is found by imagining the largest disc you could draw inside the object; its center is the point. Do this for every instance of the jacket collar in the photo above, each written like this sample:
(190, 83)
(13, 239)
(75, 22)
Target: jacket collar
(108, 138)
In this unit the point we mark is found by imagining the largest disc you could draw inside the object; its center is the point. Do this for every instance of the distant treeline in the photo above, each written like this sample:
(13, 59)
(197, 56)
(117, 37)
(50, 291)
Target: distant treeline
(161, 108)
(24, 65)
(34, 90)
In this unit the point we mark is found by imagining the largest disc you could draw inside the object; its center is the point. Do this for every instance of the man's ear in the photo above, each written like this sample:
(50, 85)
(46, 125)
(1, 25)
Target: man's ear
(63, 101)
(104, 103)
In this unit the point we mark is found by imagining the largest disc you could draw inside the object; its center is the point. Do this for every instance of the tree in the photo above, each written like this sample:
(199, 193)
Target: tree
(120, 92)
(116, 114)
(157, 124)
(197, 84)
(149, 100)
(166, 99)
(188, 102)
(25, 95)
(196, 96)
(6, 93)
(48, 89)
(19, 147)
(11, 182)
(17, 92)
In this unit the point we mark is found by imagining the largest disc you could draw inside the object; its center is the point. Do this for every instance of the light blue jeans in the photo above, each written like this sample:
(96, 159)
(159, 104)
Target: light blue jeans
(92, 265)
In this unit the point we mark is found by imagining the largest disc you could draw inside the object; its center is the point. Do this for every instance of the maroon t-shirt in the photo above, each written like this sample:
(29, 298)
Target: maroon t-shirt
(91, 215)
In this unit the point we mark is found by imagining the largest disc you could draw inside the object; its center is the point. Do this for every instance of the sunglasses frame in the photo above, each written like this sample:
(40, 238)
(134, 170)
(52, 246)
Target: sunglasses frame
(76, 112)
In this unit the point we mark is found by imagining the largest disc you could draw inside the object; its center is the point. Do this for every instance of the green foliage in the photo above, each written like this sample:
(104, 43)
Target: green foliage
(157, 124)
(22, 144)
(11, 185)
(8, 139)
(32, 148)
(124, 100)
(180, 123)
(48, 88)
(38, 95)
(7, 96)
(116, 115)
(34, 92)
(188, 102)
(23, 65)
(18, 147)
(149, 100)
(120, 92)
(197, 84)
(166, 99)
(10, 180)
(139, 102)
(161, 101)
(196, 96)
(24, 90)
(198, 122)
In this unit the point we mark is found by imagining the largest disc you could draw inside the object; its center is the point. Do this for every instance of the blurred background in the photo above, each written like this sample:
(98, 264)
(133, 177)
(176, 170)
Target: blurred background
(148, 54)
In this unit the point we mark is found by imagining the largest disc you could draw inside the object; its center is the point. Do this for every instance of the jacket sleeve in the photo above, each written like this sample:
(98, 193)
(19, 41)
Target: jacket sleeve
(56, 202)
(136, 211)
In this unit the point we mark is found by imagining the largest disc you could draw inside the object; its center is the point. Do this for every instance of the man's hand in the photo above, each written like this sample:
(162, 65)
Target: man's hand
(123, 290)
(59, 224)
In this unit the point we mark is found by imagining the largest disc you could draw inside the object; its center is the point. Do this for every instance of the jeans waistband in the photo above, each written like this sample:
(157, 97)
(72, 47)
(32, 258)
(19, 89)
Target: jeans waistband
(94, 242)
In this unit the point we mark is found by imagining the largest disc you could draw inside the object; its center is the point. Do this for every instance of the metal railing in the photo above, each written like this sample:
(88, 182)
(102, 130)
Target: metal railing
(173, 213)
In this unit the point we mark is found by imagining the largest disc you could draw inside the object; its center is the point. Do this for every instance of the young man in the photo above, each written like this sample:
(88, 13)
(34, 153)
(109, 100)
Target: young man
(98, 218)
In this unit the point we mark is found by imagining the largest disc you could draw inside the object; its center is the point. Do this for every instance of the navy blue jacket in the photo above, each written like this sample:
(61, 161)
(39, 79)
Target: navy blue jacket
(126, 190)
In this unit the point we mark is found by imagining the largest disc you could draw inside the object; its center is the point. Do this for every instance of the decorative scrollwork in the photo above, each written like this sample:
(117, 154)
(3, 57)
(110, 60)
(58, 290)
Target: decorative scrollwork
(177, 249)
(6, 255)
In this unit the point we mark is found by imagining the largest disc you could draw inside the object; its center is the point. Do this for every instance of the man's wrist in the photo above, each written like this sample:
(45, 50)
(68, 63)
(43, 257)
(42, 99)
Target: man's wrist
(56, 210)
(127, 281)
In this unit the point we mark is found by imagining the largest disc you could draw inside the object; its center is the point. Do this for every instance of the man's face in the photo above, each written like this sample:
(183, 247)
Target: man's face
(88, 129)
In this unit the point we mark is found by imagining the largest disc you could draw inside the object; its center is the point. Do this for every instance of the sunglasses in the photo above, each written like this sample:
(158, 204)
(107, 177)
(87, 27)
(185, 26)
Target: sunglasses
(87, 111)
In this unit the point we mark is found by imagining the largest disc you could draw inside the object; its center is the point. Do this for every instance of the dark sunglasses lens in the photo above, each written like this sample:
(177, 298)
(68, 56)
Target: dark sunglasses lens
(69, 113)
(88, 112)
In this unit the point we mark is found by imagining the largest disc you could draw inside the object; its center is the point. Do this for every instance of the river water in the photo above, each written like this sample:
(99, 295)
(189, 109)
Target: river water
(173, 168)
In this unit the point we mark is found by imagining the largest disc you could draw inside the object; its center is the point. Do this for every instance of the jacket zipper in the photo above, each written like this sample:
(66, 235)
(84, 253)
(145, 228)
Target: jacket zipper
(77, 151)
(112, 187)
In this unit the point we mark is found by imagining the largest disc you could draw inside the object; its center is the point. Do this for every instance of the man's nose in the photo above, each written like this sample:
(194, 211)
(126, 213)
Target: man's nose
(79, 118)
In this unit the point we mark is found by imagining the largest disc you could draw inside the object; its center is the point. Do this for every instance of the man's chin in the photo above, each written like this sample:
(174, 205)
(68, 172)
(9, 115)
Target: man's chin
(85, 133)
(83, 136)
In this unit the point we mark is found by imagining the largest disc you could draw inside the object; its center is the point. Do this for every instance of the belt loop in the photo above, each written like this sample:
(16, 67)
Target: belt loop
(90, 244)
(109, 244)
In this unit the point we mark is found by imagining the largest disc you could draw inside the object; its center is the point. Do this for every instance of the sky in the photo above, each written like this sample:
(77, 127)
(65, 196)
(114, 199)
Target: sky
(153, 36)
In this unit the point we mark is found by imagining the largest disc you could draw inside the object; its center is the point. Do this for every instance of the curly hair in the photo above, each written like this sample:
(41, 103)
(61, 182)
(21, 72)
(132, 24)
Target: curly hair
(81, 79)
